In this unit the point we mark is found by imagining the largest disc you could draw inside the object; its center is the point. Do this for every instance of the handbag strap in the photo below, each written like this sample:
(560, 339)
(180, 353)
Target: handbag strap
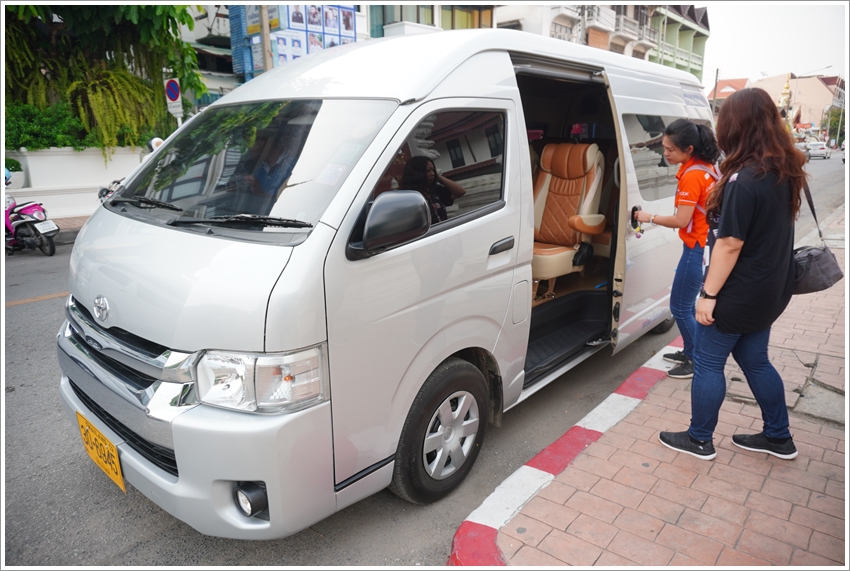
(812, 206)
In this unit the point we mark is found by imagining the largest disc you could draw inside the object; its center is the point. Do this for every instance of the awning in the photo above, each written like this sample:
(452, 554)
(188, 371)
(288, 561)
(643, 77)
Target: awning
(212, 50)
(219, 82)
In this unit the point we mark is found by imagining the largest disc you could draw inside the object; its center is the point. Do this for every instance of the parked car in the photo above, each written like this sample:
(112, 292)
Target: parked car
(801, 146)
(819, 149)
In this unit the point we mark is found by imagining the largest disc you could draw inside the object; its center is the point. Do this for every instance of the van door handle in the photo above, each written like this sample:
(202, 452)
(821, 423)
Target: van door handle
(502, 246)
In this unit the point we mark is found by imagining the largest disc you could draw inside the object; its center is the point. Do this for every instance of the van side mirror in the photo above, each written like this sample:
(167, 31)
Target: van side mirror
(392, 219)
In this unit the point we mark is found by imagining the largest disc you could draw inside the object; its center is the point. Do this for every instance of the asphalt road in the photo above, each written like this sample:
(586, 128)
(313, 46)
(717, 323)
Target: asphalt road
(61, 510)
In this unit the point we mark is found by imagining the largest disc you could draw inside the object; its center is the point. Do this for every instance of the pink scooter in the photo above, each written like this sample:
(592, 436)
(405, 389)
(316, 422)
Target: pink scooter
(27, 227)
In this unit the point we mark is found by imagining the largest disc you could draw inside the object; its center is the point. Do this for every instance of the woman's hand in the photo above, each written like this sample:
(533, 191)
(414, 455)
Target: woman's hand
(705, 311)
(643, 216)
(454, 188)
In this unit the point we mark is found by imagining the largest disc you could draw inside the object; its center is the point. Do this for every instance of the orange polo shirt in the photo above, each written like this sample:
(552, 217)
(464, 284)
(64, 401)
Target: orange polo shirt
(694, 189)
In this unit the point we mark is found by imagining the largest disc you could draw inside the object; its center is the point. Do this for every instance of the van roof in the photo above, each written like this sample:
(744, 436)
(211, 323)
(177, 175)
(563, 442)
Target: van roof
(409, 67)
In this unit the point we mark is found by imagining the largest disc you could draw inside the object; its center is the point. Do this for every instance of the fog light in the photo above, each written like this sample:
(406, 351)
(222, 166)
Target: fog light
(251, 499)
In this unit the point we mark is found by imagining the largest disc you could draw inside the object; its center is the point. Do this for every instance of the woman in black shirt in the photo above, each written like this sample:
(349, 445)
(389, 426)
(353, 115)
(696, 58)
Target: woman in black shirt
(751, 275)
(421, 174)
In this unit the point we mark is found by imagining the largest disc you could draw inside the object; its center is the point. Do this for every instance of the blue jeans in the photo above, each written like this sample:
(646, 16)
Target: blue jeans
(708, 388)
(683, 297)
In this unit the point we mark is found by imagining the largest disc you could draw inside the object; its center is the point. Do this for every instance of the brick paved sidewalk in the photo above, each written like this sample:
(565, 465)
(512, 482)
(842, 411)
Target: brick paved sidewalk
(628, 500)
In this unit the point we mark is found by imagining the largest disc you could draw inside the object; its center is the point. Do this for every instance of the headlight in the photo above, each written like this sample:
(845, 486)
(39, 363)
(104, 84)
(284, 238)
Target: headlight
(263, 382)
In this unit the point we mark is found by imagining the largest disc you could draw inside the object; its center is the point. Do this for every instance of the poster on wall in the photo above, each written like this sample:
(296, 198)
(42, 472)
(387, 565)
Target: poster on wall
(252, 17)
(347, 19)
(296, 17)
(314, 17)
(331, 19)
(315, 42)
(288, 45)
(331, 41)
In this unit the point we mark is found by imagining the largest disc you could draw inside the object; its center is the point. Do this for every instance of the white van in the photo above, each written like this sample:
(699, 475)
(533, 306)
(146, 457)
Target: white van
(272, 319)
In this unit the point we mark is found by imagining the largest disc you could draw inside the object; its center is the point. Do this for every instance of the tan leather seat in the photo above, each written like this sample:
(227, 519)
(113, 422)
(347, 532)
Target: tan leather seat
(566, 206)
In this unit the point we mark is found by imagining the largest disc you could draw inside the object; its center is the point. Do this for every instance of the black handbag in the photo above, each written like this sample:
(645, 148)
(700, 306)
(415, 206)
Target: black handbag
(817, 268)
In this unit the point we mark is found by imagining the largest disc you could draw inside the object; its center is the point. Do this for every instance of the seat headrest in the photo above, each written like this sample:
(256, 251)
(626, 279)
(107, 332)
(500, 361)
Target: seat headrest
(568, 160)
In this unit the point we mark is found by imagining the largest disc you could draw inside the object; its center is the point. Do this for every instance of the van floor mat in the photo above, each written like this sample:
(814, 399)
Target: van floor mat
(561, 328)
(550, 350)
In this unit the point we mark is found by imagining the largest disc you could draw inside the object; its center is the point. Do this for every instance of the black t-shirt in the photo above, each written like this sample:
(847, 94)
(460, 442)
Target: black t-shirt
(439, 197)
(756, 209)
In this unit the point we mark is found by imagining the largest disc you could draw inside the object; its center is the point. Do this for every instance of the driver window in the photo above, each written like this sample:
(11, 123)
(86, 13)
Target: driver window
(454, 159)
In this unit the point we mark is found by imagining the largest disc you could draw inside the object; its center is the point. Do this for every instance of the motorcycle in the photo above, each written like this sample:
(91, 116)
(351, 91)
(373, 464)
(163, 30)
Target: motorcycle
(27, 226)
(104, 193)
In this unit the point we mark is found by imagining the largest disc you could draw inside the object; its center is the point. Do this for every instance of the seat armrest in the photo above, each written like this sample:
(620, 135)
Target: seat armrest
(587, 223)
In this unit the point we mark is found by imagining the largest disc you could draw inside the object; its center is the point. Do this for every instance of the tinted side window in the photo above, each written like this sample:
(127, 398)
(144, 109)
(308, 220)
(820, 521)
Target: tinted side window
(454, 158)
(656, 178)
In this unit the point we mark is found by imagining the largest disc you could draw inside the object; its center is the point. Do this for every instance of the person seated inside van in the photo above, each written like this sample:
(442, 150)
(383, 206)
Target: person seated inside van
(421, 174)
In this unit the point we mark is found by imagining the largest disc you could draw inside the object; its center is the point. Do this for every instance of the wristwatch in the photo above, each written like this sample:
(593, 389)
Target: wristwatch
(704, 295)
(652, 220)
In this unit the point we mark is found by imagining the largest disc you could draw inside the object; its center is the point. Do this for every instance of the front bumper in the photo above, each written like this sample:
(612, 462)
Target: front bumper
(213, 449)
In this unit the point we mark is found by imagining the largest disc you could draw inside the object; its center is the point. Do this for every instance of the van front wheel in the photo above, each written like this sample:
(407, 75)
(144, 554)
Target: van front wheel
(443, 433)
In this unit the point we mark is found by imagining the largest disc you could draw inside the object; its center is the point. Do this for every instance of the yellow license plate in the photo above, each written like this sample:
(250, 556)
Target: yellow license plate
(101, 450)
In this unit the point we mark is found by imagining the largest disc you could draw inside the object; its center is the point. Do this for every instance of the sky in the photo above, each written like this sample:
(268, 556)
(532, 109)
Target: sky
(764, 39)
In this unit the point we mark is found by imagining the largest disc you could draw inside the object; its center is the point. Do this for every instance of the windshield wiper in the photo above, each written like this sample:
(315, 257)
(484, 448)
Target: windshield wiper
(142, 201)
(247, 219)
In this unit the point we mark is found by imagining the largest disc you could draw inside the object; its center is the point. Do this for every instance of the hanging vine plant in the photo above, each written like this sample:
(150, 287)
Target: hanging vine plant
(110, 102)
(108, 62)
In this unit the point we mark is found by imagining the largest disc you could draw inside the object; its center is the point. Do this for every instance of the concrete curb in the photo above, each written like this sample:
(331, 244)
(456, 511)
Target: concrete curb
(474, 543)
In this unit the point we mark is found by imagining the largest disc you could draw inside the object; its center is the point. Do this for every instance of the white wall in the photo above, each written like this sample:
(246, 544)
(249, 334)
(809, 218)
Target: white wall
(66, 181)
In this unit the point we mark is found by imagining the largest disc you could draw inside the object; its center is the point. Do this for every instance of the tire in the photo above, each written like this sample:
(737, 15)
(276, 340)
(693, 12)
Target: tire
(45, 243)
(664, 326)
(426, 462)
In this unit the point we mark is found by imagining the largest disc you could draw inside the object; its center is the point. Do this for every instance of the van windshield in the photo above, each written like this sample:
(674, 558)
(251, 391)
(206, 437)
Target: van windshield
(270, 167)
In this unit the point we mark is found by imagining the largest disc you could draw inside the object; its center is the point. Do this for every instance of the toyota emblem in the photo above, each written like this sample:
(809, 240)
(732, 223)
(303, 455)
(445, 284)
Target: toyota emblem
(101, 308)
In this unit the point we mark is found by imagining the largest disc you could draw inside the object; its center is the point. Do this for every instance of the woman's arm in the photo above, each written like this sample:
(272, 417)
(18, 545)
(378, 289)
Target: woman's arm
(454, 188)
(679, 220)
(724, 256)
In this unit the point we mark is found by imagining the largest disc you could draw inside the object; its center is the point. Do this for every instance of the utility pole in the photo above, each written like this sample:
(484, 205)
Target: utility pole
(714, 101)
(842, 101)
(265, 38)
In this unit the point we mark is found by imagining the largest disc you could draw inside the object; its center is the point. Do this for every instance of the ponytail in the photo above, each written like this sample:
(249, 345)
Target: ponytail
(707, 150)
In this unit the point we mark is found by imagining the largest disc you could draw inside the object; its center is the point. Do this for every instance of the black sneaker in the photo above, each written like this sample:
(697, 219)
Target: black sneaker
(682, 442)
(759, 443)
(683, 371)
(677, 357)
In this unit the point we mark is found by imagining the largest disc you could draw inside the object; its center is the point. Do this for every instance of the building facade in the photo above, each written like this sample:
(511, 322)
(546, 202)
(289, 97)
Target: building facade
(674, 36)
(804, 101)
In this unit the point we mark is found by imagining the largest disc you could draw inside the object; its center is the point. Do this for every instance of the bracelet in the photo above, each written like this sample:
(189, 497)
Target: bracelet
(652, 220)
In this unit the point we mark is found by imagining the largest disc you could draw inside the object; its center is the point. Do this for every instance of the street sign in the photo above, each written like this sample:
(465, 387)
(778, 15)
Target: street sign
(172, 97)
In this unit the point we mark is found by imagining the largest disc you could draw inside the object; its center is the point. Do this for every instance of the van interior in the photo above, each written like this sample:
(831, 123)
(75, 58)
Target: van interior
(574, 152)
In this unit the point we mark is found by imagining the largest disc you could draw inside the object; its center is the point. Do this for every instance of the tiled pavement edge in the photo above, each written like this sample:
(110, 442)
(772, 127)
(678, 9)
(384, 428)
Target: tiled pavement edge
(607, 493)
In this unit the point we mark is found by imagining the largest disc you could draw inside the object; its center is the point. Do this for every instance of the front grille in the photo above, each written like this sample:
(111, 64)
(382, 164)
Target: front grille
(160, 456)
(139, 344)
(132, 377)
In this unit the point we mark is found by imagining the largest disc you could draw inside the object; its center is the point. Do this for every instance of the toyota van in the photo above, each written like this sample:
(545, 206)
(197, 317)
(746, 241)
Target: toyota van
(271, 319)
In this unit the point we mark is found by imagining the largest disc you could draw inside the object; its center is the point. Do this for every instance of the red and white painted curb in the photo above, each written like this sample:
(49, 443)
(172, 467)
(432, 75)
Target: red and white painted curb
(474, 542)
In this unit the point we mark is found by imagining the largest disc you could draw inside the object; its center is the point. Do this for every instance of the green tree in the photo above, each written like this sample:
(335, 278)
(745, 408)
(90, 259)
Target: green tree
(108, 62)
(837, 118)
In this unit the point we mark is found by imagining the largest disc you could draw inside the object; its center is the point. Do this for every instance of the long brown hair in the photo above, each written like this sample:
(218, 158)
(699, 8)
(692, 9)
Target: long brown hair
(752, 134)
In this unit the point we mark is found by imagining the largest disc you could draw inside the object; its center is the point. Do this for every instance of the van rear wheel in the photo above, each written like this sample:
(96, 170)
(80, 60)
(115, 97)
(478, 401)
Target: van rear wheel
(443, 433)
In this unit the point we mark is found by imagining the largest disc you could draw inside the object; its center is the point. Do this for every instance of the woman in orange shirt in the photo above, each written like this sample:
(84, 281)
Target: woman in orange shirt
(694, 148)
